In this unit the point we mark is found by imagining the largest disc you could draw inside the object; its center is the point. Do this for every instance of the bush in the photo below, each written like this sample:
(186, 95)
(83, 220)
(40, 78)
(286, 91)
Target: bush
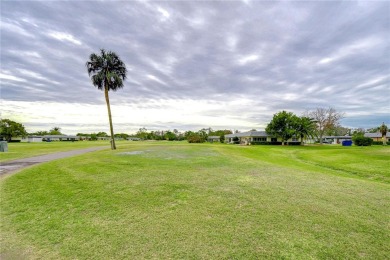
(362, 141)
(266, 143)
(195, 138)
(293, 143)
(260, 143)
(380, 143)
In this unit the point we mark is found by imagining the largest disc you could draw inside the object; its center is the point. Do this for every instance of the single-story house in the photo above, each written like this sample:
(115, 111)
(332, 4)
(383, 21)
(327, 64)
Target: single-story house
(256, 136)
(213, 138)
(49, 138)
(34, 139)
(333, 139)
(133, 138)
(377, 137)
(84, 137)
(104, 138)
(14, 139)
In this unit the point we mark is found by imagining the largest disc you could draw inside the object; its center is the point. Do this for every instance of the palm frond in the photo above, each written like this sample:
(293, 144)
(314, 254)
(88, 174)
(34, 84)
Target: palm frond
(106, 70)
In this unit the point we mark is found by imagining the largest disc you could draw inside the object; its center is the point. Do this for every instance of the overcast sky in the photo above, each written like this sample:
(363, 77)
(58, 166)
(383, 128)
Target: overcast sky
(194, 64)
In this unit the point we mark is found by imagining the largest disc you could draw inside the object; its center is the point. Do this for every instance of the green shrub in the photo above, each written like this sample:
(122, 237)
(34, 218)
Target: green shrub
(195, 138)
(260, 143)
(362, 141)
(266, 143)
(380, 143)
(294, 143)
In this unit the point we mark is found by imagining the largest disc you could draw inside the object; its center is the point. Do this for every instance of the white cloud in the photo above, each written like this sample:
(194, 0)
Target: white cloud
(64, 37)
(36, 75)
(154, 78)
(355, 48)
(14, 28)
(19, 53)
(11, 77)
(248, 59)
(165, 14)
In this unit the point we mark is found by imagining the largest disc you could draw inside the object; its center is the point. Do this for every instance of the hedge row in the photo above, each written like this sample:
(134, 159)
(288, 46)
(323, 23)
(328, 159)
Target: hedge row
(275, 143)
(380, 143)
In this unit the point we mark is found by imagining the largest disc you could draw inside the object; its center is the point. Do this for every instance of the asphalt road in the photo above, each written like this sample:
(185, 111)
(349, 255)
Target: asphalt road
(17, 165)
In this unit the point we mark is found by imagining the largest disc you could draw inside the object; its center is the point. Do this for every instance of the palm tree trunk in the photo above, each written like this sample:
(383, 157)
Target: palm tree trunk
(112, 141)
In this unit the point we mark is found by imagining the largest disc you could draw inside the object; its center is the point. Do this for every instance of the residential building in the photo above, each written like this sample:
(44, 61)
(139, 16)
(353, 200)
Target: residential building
(377, 137)
(213, 138)
(49, 138)
(249, 137)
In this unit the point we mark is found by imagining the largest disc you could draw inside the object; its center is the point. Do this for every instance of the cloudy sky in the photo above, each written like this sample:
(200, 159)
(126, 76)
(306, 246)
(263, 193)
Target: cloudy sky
(194, 64)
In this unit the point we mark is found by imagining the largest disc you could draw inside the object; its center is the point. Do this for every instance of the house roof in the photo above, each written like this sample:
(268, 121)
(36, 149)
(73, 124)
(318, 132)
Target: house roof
(376, 135)
(249, 134)
(60, 136)
(213, 137)
(338, 136)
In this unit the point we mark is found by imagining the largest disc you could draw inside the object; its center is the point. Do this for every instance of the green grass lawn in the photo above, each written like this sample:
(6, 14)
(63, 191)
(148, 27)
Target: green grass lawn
(24, 150)
(201, 201)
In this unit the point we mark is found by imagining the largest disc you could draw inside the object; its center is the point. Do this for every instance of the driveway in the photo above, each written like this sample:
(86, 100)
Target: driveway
(17, 165)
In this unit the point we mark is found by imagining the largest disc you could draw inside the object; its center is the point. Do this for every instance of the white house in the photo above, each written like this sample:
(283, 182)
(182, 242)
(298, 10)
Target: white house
(34, 139)
(256, 136)
(49, 138)
(334, 139)
(213, 138)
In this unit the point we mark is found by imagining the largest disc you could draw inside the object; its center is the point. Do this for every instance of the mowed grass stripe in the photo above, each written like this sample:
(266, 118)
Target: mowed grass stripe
(193, 201)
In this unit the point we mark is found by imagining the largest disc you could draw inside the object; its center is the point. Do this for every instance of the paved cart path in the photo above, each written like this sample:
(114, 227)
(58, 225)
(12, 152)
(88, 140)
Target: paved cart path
(17, 165)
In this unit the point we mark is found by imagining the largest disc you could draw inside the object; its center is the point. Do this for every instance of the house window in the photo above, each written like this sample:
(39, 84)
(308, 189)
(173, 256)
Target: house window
(294, 139)
(260, 139)
(273, 139)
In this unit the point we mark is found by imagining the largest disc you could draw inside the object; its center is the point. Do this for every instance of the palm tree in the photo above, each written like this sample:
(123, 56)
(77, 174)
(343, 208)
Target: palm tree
(107, 73)
(383, 130)
(305, 126)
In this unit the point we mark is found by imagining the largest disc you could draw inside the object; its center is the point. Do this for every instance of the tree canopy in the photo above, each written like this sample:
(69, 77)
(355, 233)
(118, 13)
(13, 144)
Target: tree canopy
(383, 130)
(9, 129)
(325, 118)
(282, 125)
(304, 127)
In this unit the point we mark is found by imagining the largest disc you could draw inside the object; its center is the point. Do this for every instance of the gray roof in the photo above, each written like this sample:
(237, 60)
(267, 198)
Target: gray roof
(376, 135)
(338, 136)
(214, 137)
(249, 134)
(60, 136)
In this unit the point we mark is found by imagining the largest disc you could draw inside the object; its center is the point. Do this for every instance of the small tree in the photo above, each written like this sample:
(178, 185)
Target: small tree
(282, 125)
(169, 136)
(305, 127)
(383, 130)
(195, 138)
(9, 129)
(359, 139)
(55, 131)
(326, 119)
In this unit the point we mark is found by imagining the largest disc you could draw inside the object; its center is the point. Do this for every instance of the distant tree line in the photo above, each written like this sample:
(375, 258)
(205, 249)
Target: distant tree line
(314, 124)
(199, 136)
